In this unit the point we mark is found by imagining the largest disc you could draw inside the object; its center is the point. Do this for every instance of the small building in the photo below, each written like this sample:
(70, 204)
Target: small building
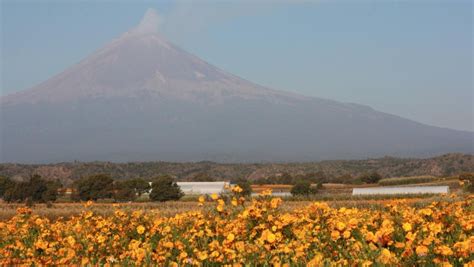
(201, 188)
(393, 190)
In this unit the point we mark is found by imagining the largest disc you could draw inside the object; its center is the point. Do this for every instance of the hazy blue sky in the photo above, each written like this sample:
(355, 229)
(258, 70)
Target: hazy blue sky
(410, 58)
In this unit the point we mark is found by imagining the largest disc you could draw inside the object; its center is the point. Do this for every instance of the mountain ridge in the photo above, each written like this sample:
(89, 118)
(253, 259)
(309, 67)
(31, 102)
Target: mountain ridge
(67, 172)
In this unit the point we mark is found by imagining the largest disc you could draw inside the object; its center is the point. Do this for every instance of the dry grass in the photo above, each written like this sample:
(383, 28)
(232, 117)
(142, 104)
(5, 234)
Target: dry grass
(67, 210)
(171, 208)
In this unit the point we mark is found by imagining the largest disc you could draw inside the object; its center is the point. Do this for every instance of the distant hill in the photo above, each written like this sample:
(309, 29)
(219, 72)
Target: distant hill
(142, 98)
(449, 164)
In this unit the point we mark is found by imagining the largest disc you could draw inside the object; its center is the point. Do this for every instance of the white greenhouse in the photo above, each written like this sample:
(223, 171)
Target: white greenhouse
(201, 188)
(401, 190)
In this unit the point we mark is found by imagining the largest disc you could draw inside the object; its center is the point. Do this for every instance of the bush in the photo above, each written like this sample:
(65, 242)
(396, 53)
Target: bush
(245, 185)
(164, 188)
(5, 185)
(35, 189)
(302, 189)
(370, 178)
(468, 180)
(129, 190)
(94, 187)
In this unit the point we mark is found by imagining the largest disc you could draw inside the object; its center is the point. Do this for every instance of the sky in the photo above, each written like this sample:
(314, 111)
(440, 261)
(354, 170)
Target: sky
(409, 58)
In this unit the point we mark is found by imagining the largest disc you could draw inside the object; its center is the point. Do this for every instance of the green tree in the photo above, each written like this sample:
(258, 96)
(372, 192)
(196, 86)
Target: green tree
(129, 190)
(94, 187)
(36, 189)
(302, 188)
(468, 180)
(5, 185)
(164, 188)
(370, 178)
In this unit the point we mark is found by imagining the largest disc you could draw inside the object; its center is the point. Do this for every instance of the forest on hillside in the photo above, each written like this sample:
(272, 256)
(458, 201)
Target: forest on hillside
(333, 170)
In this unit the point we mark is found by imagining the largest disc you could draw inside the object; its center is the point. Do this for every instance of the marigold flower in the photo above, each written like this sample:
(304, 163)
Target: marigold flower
(340, 226)
(140, 229)
(421, 250)
(201, 200)
(230, 237)
(407, 227)
(385, 256)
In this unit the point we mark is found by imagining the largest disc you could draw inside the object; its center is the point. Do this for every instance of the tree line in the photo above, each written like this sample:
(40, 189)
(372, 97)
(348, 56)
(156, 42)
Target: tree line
(93, 187)
(160, 188)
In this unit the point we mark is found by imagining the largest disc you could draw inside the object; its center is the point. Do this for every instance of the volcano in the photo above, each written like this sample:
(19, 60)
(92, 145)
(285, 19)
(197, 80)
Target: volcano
(142, 98)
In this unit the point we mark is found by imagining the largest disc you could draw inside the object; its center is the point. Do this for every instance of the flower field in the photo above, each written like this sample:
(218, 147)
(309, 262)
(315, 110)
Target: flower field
(230, 230)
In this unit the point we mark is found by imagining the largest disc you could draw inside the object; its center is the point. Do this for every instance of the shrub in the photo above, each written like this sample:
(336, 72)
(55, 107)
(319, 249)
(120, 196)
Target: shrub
(129, 190)
(35, 189)
(164, 188)
(94, 187)
(302, 189)
(370, 178)
(245, 185)
(468, 180)
(5, 184)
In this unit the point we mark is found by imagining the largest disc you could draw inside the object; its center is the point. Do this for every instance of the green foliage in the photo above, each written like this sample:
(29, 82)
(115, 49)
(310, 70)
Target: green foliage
(5, 184)
(468, 180)
(35, 189)
(245, 185)
(335, 171)
(129, 190)
(303, 189)
(164, 188)
(94, 187)
(370, 178)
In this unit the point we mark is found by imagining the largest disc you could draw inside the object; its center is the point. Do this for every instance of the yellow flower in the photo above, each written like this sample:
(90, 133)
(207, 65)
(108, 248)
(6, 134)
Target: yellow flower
(316, 261)
(230, 237)
(237, 189)
(335, 235)
(444, 250)
(168, 244)
(140, 229)
(271, 238)
(275, 202)
(399, 245)
(71, 241)
(407, 227)
(201, 200)
(202, 256)
(421, 250)
(41, 244)
(346, 234)
(214, 196)
(385, 256)
(340, 226)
